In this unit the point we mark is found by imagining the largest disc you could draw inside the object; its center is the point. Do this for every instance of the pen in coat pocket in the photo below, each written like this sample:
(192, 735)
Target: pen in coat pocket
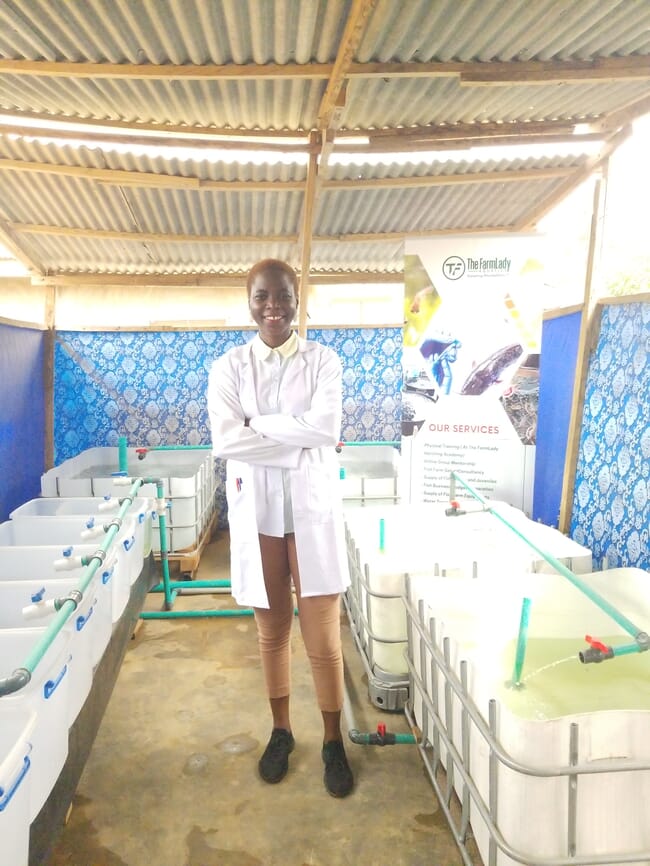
(238, 484)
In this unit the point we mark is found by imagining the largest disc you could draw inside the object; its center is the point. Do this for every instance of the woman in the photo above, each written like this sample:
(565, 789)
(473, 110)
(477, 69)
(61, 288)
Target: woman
(275, 413)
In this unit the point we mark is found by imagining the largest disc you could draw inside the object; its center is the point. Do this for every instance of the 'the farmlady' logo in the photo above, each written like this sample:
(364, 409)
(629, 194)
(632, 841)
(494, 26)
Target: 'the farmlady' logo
(454, 267)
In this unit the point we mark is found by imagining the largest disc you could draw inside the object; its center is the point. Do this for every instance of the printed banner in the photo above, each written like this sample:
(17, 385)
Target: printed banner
(472, 330)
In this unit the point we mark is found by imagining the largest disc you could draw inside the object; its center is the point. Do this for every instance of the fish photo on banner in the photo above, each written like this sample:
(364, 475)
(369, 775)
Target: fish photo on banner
(470, 363)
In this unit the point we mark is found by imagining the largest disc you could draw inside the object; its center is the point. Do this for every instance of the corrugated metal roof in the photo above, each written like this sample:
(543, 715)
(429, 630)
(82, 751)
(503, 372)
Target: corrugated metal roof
(188, 38)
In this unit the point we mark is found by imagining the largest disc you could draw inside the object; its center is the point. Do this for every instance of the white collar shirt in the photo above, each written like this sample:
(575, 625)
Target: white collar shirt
(274, 511)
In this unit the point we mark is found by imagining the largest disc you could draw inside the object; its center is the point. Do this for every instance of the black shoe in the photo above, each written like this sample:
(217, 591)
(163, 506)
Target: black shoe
(338, 775)
(274, 763)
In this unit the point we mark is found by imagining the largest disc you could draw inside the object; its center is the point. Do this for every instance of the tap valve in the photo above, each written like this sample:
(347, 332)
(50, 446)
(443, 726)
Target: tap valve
(597, 652)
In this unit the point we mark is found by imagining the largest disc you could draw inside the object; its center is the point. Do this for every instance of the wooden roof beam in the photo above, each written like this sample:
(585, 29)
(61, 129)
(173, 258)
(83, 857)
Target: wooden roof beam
(199, 140)
(118, 177)
(184, 132)
(591, 165)
(12, 243)
(513, 176)
(635, 66)
(167, 238)
(305, 241)
(225, 281)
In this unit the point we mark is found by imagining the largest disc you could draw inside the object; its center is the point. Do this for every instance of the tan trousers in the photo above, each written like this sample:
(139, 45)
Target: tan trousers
(320, 626)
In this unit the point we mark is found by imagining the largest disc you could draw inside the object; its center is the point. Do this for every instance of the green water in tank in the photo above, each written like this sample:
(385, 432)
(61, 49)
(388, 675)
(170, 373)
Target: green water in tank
(554, 682)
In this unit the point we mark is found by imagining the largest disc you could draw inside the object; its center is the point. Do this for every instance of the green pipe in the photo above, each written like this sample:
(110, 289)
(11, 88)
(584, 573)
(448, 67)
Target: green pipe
(626, 649)
(377, 739)
(68, 606)
(363, 444)
(382, 534)
(176, 447)
(194, 614)
(122, 454)
(164, 551)
(597, 599)
(522, 639)
(193, 584)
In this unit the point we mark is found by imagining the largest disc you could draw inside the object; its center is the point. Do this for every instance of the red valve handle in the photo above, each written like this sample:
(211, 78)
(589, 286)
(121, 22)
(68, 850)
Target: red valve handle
(596, 644)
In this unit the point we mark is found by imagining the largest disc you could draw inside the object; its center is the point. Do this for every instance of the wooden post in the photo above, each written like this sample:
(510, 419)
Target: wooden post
(48, 377)
(586, 344)
(306, 238)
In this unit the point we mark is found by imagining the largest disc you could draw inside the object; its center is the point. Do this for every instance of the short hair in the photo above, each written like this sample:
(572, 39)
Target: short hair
(272, 265)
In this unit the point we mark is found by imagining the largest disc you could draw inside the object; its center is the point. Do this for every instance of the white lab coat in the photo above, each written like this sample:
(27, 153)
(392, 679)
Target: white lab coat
(301, 437)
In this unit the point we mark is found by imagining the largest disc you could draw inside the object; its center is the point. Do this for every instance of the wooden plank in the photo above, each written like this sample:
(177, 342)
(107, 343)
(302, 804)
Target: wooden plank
(513, 176)
(141, 237)
(118, 177)
(305, 241)
(213, 281)
(13, 244)
(355, 27)
(19, 323)
(591, 165)
(589, 325)
(558, 312)
(631, 67)
(165, 71)
(207, 140)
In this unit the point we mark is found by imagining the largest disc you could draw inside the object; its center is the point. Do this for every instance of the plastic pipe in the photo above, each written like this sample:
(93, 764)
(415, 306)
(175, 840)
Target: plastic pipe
(142, 452)
(195, 614)
(597, 599)
(193, 584)
(522, 639)
(122, 454)
(356, 444)
(21, 677)
(382, 534)
(379, 738)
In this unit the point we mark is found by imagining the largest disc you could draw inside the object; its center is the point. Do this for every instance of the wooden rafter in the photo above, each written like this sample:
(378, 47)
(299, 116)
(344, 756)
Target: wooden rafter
(353, 33)
(223, 281)
(183, 131)
(202, 139)
(168, 238)
(369, 141)
(119, 177)
(12, 243)
(591, 165)
(636, 66)
(305, 241)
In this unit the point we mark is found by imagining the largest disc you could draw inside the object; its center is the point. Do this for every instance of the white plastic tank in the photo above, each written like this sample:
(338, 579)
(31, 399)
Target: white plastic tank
(188, 478)
(387, 543)
(29, 603)
(46, 695)
(605, 705)
(16, 729)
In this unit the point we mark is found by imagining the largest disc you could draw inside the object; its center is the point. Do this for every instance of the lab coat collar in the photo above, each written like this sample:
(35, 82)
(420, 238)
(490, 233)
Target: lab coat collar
(262, 351)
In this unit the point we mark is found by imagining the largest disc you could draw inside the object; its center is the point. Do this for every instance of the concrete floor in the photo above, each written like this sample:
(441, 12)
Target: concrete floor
(172, 776)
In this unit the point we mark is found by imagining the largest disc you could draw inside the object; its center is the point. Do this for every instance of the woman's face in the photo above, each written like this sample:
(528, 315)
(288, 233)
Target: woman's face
(273, 304)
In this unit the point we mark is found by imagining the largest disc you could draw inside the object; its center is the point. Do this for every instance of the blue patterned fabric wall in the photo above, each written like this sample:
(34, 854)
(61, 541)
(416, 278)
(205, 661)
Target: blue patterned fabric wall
(611, 506)
(151, 386)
